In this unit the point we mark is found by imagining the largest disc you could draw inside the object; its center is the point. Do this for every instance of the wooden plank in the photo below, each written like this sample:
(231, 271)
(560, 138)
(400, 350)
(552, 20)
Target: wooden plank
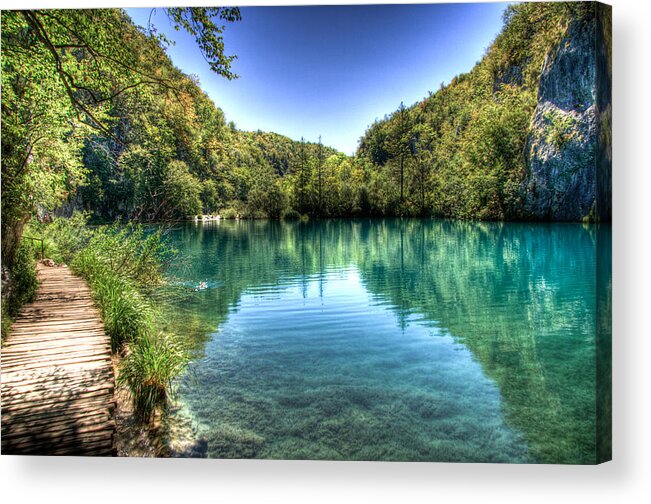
(23, 394)
(72, 326)
(59, 363)
(19, 379)
(92, 416)
(86, 449)
(71, 336)
(47, 305)
(28, 344)
(17, 396)
(60, 439)
(62, 400)
(26, 416)
(79, 368)
(69, 326)
(79, 408)
(55, 315)
(47, 346)
(23, 389)
(29, 351)
(21, 323)
(95, 424)
(57, 374)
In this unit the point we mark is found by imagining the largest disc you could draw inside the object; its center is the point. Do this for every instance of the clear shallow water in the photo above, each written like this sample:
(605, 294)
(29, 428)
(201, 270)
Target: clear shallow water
(393, 339)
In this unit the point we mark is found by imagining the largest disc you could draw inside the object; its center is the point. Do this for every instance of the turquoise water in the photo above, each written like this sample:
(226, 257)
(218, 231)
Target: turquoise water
(394, 339)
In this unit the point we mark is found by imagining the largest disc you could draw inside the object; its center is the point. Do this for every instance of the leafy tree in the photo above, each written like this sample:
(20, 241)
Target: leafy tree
(400, 146)
(209, 196)
(95, 114)
(181, 192)
(459, 152)
(424, 160)
(302, 173)
(62, 70)
(319, 175)
(200, 23)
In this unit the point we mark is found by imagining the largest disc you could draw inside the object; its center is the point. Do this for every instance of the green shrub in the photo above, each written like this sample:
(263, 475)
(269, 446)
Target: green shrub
(126, 251)
(229, 213)
(149, 372)
(118, 263)
(561, 128)
(248, 213)
(23, 279)
(6, 323)
(126, 314)
(291, 214)
(63, 237)
(22, 285)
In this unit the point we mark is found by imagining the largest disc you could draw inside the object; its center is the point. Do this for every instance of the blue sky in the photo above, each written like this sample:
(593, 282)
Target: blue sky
(331, 70)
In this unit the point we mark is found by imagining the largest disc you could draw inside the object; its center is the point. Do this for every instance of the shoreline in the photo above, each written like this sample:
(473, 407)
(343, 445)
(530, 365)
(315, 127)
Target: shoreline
(170, 434)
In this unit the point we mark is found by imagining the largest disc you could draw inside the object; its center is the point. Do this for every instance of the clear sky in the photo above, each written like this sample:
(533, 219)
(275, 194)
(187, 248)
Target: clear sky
(332, 70)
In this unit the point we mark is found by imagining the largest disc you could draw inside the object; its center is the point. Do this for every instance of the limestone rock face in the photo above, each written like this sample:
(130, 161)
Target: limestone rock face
(568, 149)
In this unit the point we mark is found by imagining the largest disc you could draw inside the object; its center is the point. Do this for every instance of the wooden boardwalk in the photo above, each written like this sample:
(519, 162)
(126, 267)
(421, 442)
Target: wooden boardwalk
(57, 376)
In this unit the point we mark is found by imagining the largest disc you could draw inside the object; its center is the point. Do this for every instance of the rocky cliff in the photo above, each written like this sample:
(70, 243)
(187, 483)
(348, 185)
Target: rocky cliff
(568, 152)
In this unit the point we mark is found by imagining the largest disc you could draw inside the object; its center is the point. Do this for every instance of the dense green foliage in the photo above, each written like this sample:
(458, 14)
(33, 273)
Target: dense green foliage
(24, 280)
(95, 116)
(120, 264)
(22, 286)
(86, 95)
(458, 153)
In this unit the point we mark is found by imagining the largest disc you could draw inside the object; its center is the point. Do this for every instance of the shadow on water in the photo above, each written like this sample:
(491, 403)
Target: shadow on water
(396, 339)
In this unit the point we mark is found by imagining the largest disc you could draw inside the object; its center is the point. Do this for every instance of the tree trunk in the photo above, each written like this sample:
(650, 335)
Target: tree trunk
(12, 232)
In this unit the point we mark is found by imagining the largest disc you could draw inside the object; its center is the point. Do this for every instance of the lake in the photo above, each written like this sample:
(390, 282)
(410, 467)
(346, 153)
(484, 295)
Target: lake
(395, 339)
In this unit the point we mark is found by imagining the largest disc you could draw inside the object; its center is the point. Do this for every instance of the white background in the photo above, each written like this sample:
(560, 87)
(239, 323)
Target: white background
(625, 480)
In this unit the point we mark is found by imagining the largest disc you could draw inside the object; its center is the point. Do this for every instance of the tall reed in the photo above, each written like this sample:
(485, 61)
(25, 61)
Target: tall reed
(149, 372)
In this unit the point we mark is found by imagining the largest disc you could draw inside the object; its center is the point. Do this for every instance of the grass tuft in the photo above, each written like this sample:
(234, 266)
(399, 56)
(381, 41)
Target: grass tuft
(149, 372)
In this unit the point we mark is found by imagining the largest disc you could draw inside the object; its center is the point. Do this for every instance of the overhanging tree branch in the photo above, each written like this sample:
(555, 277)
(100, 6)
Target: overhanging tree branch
(66, 79)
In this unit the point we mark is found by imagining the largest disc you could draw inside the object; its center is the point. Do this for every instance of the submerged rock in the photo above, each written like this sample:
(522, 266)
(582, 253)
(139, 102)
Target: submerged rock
(569, 148)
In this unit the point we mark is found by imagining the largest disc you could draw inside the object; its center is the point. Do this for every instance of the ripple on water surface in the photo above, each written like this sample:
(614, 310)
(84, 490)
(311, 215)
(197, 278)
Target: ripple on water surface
(392, 340)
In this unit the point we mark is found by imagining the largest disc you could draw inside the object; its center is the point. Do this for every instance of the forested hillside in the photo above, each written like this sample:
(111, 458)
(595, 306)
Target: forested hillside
(95, 116)
(517, 137)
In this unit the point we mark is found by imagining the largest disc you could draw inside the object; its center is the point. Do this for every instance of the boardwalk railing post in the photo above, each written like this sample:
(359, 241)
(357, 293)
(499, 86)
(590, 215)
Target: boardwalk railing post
(33, 238)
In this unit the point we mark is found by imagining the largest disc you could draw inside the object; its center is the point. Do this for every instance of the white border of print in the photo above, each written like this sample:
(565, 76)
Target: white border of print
(626, 479)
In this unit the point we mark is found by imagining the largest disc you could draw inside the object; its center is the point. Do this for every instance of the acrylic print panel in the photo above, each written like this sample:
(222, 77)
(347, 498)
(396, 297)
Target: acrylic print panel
(282, 237)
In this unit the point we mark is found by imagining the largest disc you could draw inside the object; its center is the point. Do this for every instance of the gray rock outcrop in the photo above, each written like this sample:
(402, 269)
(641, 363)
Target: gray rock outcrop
(569, 148)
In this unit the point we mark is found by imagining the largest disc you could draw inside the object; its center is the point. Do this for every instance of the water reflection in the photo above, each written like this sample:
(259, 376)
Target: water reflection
(396, 339)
